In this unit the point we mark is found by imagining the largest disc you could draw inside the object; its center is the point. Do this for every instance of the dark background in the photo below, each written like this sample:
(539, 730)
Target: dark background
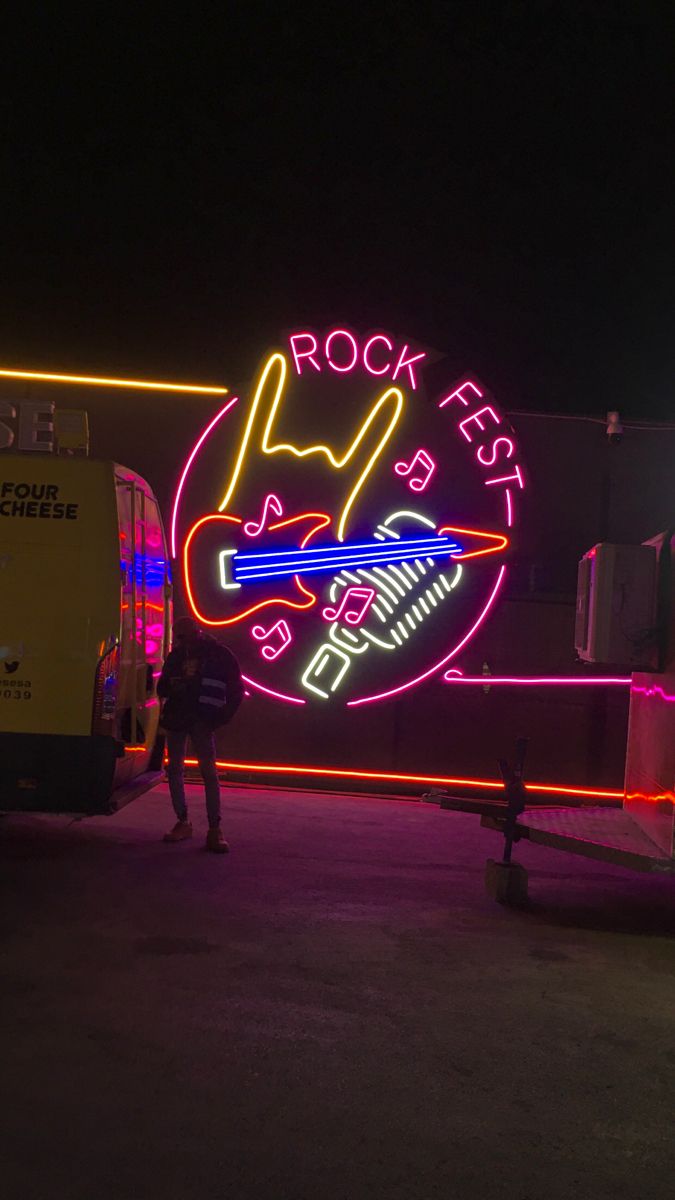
(494, 180)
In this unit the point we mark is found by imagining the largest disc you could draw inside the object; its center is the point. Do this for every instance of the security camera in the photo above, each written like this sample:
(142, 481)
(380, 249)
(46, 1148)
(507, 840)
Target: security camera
(614, 428)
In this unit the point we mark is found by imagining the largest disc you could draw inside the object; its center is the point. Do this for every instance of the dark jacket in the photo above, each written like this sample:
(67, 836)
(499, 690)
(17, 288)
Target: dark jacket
(200, 683)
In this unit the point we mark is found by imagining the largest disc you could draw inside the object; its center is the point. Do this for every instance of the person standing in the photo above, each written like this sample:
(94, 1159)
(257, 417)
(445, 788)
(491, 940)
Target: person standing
(201, 689)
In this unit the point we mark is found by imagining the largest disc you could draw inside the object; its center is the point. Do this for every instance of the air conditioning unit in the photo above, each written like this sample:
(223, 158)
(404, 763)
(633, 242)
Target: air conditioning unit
(616, 606)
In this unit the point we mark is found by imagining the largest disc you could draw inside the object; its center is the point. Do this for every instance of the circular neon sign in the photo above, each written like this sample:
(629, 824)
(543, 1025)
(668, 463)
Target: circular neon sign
(358, 530)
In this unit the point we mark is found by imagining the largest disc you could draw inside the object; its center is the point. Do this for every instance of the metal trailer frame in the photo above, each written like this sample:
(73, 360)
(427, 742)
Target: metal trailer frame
(607, 833)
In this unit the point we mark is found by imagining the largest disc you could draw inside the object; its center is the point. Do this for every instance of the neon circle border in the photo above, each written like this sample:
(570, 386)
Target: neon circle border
(373, 698)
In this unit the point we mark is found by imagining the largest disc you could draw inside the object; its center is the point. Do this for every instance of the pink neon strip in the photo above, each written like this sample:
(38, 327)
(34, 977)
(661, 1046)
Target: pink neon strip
(491, 461)
(188, 464)
(655, 691)
(428, 466)
(333, 365)
(379, 337)
(261, 634)
(253, 528)
(437, 666)
(457, 393)
(507, 478)
(477, 418)
(509, 508)
(277, 695)
(541, 680)
(305, 353)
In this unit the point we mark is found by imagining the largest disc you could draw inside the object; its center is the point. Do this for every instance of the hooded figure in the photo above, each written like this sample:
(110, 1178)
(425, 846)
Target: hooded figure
(201, 689)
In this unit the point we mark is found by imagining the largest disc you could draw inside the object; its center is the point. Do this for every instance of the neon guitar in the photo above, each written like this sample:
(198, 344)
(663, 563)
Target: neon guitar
(237, 567)
(228, 577)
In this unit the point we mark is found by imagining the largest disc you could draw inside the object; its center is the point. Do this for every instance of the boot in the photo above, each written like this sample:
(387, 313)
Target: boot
(180, 831)
(216, 842)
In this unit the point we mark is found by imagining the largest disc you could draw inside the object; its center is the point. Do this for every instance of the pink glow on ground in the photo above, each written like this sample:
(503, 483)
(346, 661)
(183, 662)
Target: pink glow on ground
(437, 666)
(181, 485)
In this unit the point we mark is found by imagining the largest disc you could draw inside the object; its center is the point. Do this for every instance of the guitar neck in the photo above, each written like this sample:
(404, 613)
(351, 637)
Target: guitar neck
(276, 564)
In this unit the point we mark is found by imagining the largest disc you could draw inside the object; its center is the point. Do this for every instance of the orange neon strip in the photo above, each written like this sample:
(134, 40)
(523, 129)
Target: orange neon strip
(493, 784)
(499, 538)
(103, 381)
(155, 607)
(653, 798)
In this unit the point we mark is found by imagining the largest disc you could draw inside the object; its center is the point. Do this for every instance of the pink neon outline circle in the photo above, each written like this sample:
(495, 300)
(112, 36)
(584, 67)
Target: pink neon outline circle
(362, 699)
(540, 680)
(270, 692)
(439, 665)
(186, 469)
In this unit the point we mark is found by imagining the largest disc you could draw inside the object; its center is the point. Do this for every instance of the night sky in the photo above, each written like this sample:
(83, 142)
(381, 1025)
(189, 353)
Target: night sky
(494, 180)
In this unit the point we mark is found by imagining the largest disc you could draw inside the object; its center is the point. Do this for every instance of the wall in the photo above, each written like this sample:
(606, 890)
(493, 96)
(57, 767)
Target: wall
(581, 490)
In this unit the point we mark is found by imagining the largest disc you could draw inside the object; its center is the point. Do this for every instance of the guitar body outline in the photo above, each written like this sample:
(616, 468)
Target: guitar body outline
(311, 522)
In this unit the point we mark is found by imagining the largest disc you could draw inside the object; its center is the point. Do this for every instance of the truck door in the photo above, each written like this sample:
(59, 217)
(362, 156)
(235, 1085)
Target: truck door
(145, 612)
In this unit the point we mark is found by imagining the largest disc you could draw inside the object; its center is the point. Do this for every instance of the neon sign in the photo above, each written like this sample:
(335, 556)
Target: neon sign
(359, 527)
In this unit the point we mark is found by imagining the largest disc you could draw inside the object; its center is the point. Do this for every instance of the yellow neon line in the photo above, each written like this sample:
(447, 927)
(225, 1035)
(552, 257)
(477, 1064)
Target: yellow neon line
(102, 381)
(249, 425)
(376, 453)
(279, 361)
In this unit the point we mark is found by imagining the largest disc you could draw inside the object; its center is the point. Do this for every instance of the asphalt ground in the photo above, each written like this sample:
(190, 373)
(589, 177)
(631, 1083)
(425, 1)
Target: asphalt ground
(335, 1009)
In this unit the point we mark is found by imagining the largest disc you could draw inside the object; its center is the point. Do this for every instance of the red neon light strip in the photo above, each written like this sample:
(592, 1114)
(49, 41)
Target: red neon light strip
(335, 772)
(654, 797)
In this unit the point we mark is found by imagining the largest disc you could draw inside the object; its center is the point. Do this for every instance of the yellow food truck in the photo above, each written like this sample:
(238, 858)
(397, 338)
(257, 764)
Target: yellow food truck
(85, 600)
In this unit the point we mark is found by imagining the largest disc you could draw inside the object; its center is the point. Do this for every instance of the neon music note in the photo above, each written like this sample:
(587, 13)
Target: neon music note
(417, 483)
(279, 632)
(353, 606)
(253, 528)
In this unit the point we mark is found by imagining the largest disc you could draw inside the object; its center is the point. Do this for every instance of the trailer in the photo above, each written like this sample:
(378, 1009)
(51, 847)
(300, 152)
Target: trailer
(637, 832)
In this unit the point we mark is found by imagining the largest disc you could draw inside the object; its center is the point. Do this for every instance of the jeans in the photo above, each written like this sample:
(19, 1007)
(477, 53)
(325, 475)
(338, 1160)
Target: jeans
(204, 747)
